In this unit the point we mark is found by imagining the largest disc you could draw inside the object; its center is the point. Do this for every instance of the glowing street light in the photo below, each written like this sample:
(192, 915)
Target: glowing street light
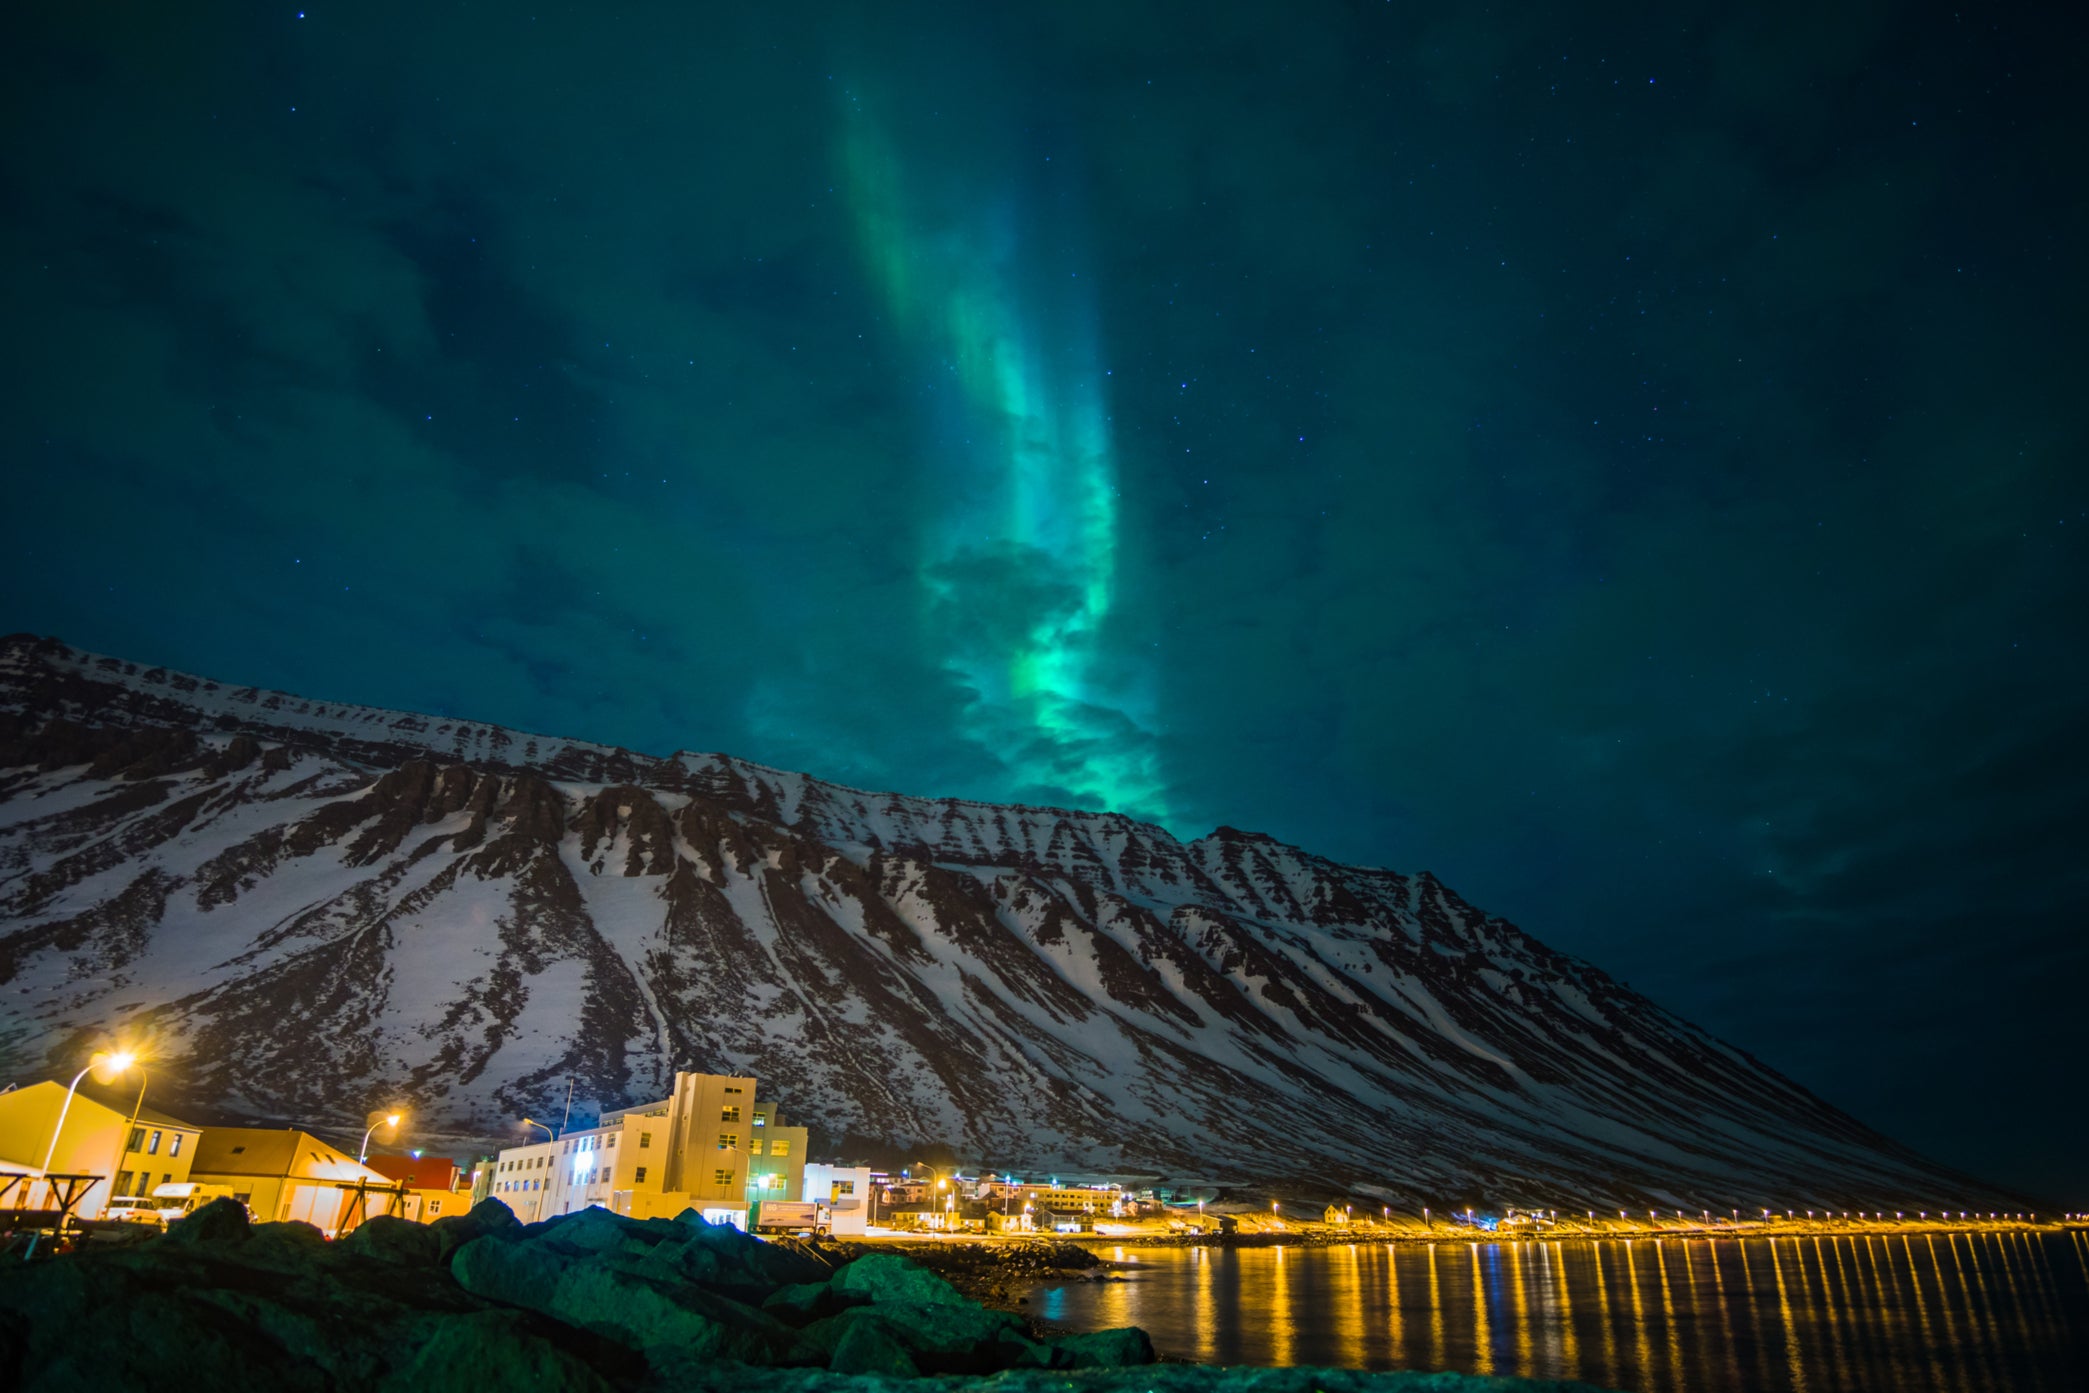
(549, 1135)
(101, 1062)
(391, 1119)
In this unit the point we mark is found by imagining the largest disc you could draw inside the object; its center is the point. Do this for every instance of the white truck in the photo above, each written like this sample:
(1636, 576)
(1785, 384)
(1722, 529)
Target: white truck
(804, 1218)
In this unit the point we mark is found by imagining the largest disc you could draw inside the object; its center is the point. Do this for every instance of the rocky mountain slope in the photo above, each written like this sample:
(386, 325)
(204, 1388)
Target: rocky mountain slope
(314, 908)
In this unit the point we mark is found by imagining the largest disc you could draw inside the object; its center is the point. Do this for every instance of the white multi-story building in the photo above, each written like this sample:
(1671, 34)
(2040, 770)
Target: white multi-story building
(710, 1147)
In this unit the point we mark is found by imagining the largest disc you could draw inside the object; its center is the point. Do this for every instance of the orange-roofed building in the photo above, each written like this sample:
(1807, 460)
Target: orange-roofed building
(436, 1187)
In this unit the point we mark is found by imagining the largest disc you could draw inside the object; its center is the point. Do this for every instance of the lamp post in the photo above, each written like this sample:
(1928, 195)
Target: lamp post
(549, 1135)
(114, 1063)
(391, 1119)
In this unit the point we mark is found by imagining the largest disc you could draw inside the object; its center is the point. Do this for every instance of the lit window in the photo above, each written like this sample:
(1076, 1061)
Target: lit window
(152, 1148)
(639, 1176)
(174, 1145)
(754, 1148)
(844, 1187)
(779, 1146)
(721, 1177)
(728, 1140)
(730, 1114)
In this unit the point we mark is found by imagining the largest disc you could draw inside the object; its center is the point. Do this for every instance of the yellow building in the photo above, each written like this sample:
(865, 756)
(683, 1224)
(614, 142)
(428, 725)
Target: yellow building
(99, 1138)
(282, 1173)
(710, 1147)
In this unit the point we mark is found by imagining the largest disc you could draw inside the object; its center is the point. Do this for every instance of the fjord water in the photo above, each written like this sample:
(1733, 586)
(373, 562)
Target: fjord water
(1969, 1312)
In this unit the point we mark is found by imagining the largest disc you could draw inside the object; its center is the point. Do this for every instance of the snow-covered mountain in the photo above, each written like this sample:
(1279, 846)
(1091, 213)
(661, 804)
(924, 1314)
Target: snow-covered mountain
(314, 908)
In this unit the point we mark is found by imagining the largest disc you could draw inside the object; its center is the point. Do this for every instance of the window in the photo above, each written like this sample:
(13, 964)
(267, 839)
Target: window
(236, 1151)
(639, 1177)
(611, 1143)
(844, 1187)
(152, 1148)
(730, 1089)
(174, 1145)
(123, 1180)
(721, 1177)
(435, 1206)
(645, 1139)
(754, 1148)
(137, 1139)
(728, 1140)
(731, 1113)
(780, 1146)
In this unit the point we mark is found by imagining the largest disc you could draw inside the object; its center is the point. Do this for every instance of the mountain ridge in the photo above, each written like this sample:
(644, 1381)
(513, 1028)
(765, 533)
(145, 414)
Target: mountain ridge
(469, 915)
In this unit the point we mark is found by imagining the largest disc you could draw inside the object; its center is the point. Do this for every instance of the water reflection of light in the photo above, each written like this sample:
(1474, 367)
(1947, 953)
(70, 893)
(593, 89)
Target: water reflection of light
(1483, 1345)
(1435, 1313)
(1668, 1316)
(1524, 1361)
(1394, 1327)
(1642, 1346)
(1784, 1311)
(1347, 1302)
(1205, 1321)
(1726, 1317)
(1835, 1301)
(1610, 1334)
(1283, 1326)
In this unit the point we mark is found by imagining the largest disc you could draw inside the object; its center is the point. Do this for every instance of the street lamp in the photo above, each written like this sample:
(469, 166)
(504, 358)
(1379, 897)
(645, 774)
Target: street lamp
(391, 1119)
(100, 1061)
(549, 1135)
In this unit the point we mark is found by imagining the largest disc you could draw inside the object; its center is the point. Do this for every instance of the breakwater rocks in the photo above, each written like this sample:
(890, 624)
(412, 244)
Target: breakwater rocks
(584, 1303)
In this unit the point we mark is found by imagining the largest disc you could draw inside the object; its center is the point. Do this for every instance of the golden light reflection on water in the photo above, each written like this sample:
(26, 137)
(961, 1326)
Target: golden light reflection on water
(1346, 1302)
(1643, 1346)
(1610, 1334)
(1977, 1313)
(1436, 1359)
(1784, 1312)
(1283, 1324)
(1483, 1344)
(1207, 1321)
(1520, 1307)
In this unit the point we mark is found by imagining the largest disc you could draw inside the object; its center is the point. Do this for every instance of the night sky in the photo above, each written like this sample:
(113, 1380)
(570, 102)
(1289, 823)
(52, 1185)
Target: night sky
(1633, 468)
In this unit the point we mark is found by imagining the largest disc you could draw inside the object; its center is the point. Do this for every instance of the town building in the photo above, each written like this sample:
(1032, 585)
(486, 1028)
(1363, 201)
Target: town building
(436, 1187)
(132, 1149)
(281, 1173)
(846, 1191)
(710, 1146)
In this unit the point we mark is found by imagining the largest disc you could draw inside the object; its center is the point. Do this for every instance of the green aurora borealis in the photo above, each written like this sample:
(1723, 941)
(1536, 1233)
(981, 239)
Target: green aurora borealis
(1625, 461)
(1020, 575)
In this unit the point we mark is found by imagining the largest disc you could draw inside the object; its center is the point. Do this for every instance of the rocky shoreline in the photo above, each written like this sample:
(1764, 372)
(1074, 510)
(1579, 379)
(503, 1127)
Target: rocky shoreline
(583, 1303)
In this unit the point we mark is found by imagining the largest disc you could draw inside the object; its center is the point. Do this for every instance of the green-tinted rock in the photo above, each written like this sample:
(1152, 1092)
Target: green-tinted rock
(887, 1277)
(802, 1302)
(489, 1218)
(221, 1222)
(288, 1246)
(512, 1273)
(647, 1315)
(491, 1350)
(1121, 1348)
(868, 1347)
(936, 1327)
(399, 1242)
